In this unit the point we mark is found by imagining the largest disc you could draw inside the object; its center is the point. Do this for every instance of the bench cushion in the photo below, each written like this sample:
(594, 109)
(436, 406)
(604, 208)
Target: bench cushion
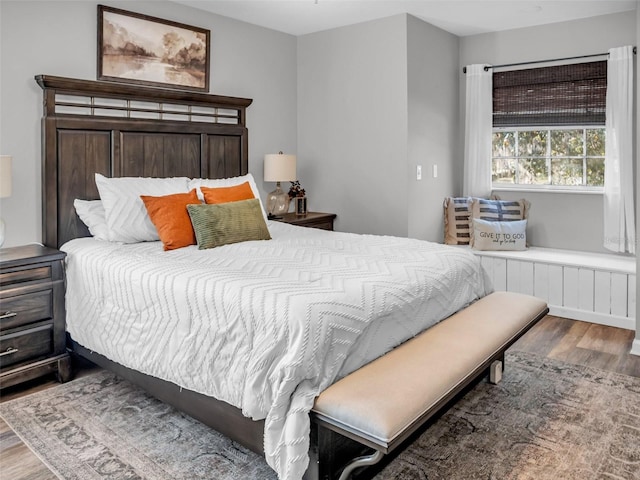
(390, 397)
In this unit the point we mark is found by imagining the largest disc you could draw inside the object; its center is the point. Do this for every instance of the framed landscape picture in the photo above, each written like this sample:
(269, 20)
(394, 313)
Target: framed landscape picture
(136, 48)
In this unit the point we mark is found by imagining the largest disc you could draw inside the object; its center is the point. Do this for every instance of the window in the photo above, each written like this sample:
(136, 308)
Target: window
(549, 127)
(562, 157)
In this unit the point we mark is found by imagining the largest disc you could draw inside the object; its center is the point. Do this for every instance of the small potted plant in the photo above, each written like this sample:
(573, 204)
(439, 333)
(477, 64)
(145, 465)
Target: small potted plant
(297, 193)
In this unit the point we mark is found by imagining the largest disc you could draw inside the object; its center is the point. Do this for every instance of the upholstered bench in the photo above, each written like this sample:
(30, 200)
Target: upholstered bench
(387, 400)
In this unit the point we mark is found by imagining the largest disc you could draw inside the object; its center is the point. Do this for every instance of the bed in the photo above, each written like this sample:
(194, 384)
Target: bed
(337, 281)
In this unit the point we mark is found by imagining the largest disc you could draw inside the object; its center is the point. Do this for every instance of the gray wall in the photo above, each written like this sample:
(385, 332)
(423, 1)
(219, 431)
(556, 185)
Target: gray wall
(375, 100)
(433, 125)
(352, 124)
(59, 38)
(557, 220)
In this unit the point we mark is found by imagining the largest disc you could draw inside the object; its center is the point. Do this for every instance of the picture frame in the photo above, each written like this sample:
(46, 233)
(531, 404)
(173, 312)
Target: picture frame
(140, 49)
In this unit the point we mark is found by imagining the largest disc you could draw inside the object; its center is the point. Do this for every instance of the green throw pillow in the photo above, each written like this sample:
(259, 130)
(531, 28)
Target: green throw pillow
(224, 223)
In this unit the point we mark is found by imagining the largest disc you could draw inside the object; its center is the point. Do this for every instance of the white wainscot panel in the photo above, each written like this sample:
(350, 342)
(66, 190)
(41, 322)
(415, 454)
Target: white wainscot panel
(541, 281)
(556, 284)
(619, 294)
(571, 287)
(599, 288)
(602, 300)
(585, 289)
(497, 270)
(520, 276)
(631, 308)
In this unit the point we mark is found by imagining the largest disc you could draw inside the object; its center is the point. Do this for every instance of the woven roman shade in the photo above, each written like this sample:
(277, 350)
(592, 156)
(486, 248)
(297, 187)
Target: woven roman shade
(560, 95)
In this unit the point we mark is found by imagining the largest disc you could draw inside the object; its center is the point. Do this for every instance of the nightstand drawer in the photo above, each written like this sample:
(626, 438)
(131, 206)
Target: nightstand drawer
(321, 225)
(323, 221)
(26, 308)
(26, 345)
(25, 275)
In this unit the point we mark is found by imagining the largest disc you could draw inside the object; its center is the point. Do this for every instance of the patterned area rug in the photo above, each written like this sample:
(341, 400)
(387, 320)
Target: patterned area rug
(547, 420)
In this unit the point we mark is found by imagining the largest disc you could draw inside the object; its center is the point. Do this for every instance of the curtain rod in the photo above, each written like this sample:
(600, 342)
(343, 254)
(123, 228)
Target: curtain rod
(486, 68)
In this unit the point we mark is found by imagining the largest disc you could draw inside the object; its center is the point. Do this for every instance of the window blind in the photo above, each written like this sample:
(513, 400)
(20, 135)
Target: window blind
(560, 95)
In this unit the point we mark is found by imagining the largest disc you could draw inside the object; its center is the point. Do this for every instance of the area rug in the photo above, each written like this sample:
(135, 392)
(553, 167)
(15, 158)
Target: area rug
(547, 420)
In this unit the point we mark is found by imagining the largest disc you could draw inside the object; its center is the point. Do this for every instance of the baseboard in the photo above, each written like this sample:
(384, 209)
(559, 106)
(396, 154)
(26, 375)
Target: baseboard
(635, 347)
(593, 317)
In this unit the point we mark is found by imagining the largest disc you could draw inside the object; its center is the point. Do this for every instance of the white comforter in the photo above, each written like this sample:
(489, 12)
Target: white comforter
(265, 325)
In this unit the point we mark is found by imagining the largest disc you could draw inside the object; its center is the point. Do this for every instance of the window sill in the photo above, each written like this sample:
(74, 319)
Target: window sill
(572, 191)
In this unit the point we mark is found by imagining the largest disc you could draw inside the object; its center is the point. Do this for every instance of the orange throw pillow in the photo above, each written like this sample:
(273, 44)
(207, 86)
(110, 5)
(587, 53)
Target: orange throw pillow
(170, 216)
(227, 194)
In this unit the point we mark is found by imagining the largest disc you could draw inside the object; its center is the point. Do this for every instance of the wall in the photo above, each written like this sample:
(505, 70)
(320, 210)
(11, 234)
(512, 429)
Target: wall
(432, 57)
(557, 220)
(352, 124)
(371, 106)
(59, 38)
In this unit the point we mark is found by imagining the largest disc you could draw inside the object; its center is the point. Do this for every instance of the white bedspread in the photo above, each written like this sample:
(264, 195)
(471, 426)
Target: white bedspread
(266, 325)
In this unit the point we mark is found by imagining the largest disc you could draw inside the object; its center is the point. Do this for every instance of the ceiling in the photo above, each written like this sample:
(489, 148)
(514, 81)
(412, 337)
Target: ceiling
(460, 17)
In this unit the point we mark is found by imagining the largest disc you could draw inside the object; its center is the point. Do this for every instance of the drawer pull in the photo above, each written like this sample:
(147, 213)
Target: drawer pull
(5, 315)
(9, 351)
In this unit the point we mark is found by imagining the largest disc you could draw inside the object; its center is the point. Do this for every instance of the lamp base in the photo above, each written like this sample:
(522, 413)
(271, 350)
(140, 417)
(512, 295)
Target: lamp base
(278, 201)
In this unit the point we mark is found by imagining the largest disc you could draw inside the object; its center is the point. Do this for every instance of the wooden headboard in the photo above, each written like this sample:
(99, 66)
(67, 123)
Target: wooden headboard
(120, 130)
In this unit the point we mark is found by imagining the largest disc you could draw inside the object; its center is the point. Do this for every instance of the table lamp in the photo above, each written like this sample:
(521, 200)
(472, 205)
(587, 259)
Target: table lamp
(279, 167)
(5, 186)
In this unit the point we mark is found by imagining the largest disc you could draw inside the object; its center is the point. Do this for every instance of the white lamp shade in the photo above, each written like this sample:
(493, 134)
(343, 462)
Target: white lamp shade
(279, 167)
(5, 176)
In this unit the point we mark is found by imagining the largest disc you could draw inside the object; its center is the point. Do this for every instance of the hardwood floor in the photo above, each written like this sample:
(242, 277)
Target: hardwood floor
(571, 341)
(17, 461)
(582, 343)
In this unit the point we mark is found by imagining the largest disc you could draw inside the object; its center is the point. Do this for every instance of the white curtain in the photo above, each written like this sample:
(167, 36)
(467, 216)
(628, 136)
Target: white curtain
(478, 127)
(619, 225)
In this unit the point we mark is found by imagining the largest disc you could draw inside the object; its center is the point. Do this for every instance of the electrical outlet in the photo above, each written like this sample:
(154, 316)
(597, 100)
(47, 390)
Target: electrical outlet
(435, 171)
(419, 172)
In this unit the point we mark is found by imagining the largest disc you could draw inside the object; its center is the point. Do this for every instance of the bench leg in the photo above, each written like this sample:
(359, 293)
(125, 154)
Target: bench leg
(361, 462)
(333, 456)
(495, 371)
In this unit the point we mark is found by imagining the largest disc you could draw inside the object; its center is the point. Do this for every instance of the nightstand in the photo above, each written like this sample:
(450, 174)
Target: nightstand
(32, 315)
(323, 221)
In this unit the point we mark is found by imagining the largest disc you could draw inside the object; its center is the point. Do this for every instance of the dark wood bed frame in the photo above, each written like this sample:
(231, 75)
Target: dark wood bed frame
(121, 130)
(129, 131)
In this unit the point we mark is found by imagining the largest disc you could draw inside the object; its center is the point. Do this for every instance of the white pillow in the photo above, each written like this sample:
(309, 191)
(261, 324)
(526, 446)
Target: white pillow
(126, 215)
(499, 235)
(226, 182)
(91, 212)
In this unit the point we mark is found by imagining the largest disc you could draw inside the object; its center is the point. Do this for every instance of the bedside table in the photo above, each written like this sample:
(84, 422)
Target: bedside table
(323, 221)
(32, 315)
